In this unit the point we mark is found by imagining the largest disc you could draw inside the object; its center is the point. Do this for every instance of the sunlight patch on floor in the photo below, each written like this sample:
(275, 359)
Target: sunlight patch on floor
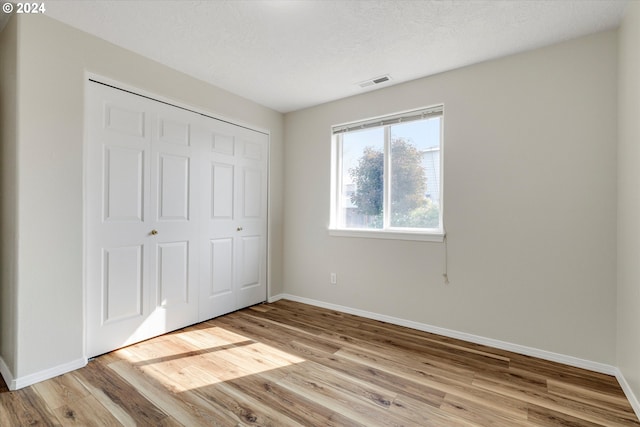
(203, 357)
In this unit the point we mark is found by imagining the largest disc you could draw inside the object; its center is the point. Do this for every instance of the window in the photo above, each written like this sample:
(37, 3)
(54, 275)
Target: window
(387, 177)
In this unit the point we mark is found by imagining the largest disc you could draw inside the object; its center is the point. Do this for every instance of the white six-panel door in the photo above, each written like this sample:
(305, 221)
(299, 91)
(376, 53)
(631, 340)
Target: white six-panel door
(176, 226)
(234, 213)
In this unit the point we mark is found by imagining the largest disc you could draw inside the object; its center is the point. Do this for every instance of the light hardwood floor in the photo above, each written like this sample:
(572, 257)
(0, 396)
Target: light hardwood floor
(290, 364)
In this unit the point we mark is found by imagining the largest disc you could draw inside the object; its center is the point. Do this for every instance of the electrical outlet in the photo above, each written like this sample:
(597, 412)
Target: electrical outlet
(333, 279)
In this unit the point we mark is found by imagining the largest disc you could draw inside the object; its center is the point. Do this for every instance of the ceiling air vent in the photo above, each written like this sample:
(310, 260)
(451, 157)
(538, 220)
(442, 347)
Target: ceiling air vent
(375, 81)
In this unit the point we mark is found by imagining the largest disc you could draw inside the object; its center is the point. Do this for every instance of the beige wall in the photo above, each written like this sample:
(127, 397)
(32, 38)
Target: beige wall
(53, 59)
(530, 204)
(628, 339)
(8, 191)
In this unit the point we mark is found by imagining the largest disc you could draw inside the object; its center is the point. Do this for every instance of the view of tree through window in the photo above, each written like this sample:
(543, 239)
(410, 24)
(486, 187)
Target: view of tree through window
(363, 172)
(410, 154)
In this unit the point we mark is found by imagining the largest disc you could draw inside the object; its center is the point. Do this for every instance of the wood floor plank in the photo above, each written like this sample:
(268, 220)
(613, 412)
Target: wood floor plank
(427, 363)
(25, 407)
(363, 413)
(323, 354)
(450, 386)
(479, 412)
(567, 374)
(86, 411)
(275, 333)
(291, 364)
(471, 358)
(564, 405)
(605, 400)
(5, 418)
(202, 406)
(545, 417)
(420, 414)
(381, 329)
(356, 388)
(173, 404)
(126, 403)
(61, 391)
(298, 407)
(250, 411)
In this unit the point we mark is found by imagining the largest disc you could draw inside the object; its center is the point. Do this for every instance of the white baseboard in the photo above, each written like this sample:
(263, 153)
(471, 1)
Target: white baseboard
(27, 380)
(275, 298)
(503, 345)
(631, 397)
(516, 348)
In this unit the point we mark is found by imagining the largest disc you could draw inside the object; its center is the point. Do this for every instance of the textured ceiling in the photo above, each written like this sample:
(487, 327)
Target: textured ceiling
(289, 55)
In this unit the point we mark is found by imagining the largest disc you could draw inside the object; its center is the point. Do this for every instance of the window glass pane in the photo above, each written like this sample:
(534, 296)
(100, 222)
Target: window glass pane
(362, 179)
(415, 174)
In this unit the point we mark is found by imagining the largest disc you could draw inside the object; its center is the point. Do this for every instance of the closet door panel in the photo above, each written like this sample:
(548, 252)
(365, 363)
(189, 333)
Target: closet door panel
(251, 199)
(217, 269)
(118, 289)
(176, 220)
(236, 219)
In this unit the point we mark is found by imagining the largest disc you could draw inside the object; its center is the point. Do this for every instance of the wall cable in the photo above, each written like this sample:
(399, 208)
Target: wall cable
(445, 266)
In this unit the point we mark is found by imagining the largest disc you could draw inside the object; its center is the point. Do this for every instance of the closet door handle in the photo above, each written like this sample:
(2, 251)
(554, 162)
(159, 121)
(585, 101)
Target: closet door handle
(239, 229)
(154, 232)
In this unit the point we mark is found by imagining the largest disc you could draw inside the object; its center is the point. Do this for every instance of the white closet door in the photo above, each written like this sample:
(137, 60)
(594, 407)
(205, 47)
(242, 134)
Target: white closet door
(176, 218)
(142, 222)
(251, 218)
(233, 272)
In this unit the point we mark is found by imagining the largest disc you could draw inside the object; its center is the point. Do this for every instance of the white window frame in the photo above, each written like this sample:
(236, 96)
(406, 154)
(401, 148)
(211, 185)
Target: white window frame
(387, 232)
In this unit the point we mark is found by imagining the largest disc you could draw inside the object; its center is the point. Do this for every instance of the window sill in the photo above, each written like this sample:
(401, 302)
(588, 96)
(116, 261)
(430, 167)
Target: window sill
(388, 234)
